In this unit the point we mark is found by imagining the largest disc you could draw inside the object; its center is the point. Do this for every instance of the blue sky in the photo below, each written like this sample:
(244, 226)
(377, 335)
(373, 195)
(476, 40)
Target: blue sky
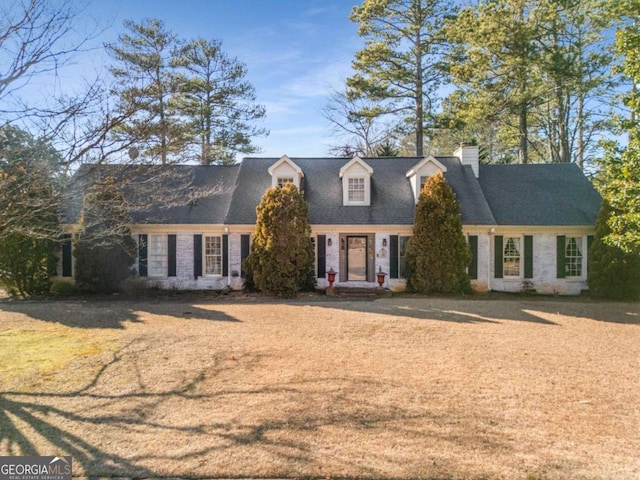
(296, 52)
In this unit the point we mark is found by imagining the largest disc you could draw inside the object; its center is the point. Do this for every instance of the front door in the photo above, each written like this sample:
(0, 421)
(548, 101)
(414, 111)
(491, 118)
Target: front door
(357, 259)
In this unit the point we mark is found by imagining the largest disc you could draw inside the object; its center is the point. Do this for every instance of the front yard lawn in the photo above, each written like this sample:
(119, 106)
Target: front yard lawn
(393, 388)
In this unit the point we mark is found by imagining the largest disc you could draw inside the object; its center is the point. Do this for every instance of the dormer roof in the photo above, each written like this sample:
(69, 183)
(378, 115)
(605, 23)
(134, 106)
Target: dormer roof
(430, 159)
(356, 161)
(291, 163)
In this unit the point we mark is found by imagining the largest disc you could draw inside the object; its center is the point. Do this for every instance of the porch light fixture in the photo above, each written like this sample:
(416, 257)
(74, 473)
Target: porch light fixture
(329, 242)
(384, 242)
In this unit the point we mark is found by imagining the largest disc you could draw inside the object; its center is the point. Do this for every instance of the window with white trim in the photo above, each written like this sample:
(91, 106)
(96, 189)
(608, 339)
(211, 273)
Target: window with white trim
(213, 255)
(356, 189)
(423, 180)
(511, 257)
(158, 256)
(573, 256)
(284, 180)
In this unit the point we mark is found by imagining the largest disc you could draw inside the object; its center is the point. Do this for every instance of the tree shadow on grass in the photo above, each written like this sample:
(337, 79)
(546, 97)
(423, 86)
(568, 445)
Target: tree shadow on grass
(101, 429)
(29, 417)
(438, 310)
(109, 314)
(477, 310)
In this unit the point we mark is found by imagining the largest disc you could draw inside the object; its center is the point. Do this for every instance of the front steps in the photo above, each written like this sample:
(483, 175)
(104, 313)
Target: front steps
(357, 292)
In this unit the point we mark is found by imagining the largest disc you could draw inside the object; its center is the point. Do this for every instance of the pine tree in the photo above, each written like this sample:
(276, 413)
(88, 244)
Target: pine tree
(282, 257)
(494, 64)
(103, 248)
(619, 177)
(538, 71)
(437, 253)
(613, 273)
(387, 149)
(147, 83)
(401, 66)
(218, 100)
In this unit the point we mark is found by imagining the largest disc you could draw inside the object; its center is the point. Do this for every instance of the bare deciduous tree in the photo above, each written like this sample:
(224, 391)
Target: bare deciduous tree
(357, 125)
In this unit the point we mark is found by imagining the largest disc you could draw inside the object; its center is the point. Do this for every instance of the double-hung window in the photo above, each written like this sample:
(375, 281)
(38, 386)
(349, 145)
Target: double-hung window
(511, 257)
(282, 181)
(356, 189)
(158, 255)
(573, 256)
(213, 255)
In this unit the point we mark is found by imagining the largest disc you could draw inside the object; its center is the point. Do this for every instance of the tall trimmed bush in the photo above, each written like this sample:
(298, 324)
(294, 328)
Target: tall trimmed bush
(437, 252)
(613, 273)
(104, 248)
(282, 258)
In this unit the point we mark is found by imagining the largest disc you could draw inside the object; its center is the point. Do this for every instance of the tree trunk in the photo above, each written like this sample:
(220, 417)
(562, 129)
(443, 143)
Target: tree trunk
(524, 140)
(163, 123)
(563, 127)
(419, 101)
(206, 134)
(580, 133)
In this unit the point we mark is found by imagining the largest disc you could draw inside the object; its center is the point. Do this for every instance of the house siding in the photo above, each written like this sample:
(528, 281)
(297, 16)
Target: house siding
(236, 282)
(544, 277)
(503, 201)
(485, 255)
(544, 245)
(184, 249)
(381, 260)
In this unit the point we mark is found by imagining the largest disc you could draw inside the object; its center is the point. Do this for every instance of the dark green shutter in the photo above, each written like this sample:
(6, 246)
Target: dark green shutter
(321, 260)
(528, 256)
(497, 261)
(590, 239)
(66, 255)
(225, 255)
(473, 263)
(171, 254)
(244, 251)
(561, 263)
(371, 258)
(342, 268)
(197, 256)
(142, 255)
(394, 259)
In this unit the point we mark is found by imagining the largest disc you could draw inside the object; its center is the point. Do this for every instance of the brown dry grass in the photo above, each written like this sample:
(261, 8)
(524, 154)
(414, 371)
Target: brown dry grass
(397, 388)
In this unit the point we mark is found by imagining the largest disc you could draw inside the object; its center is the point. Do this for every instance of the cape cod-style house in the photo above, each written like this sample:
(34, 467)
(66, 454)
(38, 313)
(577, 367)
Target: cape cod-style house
(528, 226)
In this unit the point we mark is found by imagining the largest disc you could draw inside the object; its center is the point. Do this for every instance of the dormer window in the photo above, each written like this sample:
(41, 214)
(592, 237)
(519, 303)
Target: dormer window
(282, 181)
(285, 171)
(356, 189)
(356, 182)
(420, 173)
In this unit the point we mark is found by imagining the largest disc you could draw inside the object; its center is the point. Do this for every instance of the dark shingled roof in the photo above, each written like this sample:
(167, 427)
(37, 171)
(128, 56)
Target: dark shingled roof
(392, 201)
(173, 194)
(543, 195)
(539, 194)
